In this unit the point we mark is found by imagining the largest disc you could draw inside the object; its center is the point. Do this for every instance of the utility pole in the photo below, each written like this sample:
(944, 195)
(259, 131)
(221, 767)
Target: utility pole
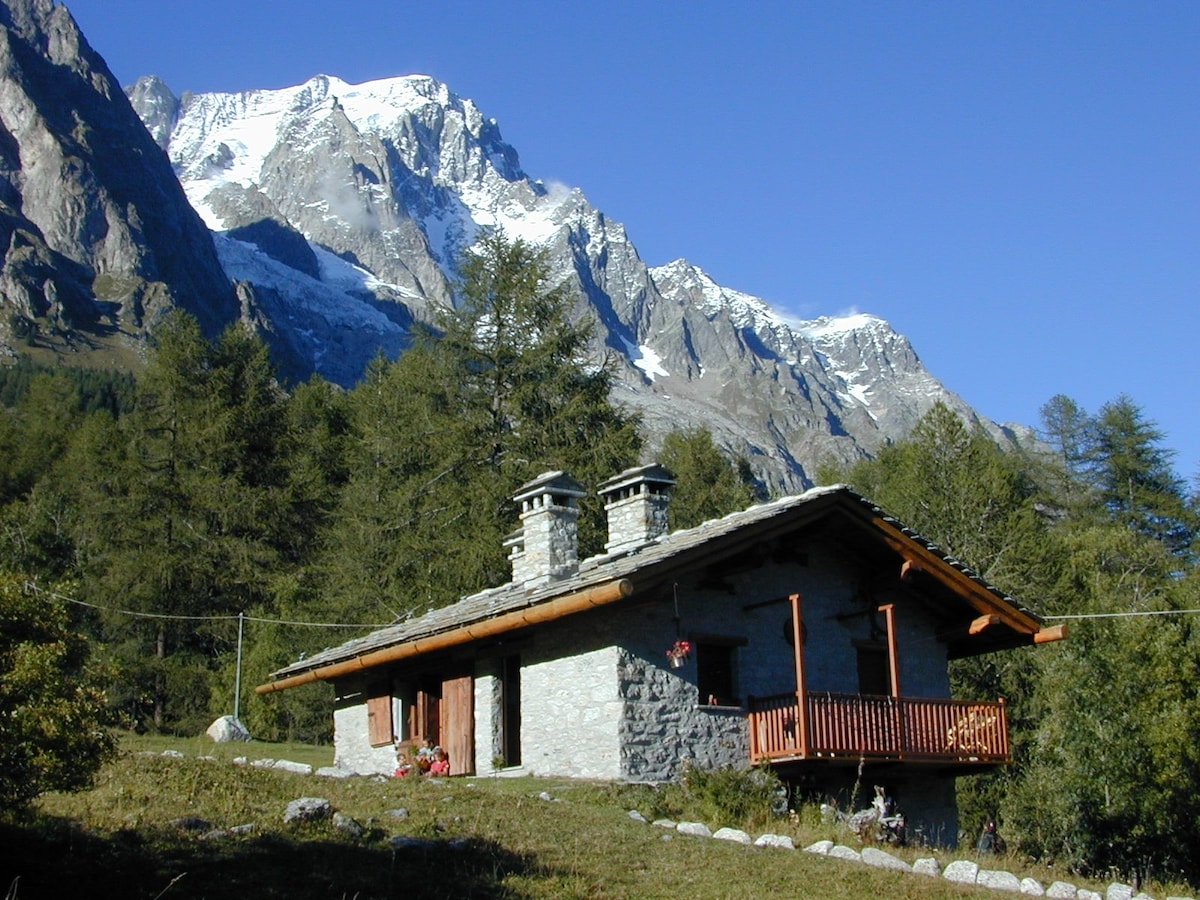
(237, 681)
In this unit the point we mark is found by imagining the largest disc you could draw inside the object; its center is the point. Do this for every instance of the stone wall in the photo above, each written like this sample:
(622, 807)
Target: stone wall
(665, 728)
(570, 709)
(489, 740)
(352, 748)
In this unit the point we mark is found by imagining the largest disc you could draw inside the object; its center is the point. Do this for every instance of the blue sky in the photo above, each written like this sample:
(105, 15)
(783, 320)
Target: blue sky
(1015, 186)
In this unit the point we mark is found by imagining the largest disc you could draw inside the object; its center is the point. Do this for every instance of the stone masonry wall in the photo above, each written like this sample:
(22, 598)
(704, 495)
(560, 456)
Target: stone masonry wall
(352, 748)
(570, 710)
(664, 728)
(488, 722)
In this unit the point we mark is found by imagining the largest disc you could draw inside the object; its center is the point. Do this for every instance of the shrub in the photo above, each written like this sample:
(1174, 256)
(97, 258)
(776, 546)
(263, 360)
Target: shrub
(51, 704)
(748, 797)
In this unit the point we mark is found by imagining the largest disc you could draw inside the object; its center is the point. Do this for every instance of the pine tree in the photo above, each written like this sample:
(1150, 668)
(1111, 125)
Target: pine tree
(503, 391)
(708, 485)
(1134, 475)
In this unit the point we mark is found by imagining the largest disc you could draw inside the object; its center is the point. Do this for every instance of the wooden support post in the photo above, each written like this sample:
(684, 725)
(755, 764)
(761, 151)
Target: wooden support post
(801, 686)
(889, 613)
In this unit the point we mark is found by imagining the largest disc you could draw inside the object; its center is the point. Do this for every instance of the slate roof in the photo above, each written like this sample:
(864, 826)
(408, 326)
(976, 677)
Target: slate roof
(639, 564)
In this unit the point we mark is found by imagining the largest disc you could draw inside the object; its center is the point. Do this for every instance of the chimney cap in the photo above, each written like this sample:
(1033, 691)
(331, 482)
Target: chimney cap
(558, 483)
(654, 473)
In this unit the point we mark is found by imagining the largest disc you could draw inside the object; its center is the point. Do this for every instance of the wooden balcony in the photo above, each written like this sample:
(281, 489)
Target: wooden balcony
(855, 726)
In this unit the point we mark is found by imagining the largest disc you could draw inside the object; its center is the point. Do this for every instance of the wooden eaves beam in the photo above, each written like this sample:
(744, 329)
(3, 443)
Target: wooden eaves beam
(975, 626)
(578, 601)
(984, 601)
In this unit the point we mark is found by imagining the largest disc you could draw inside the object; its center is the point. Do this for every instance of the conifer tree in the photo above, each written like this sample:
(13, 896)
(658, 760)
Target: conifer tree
(1070, 432)
(502, 391)
(184, 521)
(708, 485)
(1134, 474)
(953, 484)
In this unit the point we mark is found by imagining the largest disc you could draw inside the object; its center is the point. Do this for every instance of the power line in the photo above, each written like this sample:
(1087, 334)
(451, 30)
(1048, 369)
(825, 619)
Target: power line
(29, 585)
(1128, 615)
(229, 618)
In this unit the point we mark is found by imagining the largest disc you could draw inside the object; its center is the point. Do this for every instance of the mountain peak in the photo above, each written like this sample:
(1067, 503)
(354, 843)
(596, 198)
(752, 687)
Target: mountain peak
(832, 326)
(341, 210)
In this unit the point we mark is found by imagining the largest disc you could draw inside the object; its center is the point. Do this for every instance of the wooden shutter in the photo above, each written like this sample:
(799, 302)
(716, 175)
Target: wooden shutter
(379, 720)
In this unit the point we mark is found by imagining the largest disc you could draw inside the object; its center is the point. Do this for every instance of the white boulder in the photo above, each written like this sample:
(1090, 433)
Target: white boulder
(227, 729)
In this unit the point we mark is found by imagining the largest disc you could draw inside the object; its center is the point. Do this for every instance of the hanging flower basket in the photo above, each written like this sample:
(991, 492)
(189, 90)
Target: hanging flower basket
(679, 653)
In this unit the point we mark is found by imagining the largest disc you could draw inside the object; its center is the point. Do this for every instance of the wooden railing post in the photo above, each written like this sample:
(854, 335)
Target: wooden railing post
(752, 720)
(801, 687)
(1004, 729)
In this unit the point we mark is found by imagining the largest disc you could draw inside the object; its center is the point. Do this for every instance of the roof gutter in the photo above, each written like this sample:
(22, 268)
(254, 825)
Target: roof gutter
(579, 601)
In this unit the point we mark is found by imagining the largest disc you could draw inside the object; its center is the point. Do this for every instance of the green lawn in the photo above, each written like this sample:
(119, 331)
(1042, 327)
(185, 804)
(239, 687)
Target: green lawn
(480, 837)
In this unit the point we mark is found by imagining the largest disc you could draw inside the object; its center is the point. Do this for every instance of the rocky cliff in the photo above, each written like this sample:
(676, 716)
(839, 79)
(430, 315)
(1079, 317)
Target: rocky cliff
(96, 234)
(339, 211)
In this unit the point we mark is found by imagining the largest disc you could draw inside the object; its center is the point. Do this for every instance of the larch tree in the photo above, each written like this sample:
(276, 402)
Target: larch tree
(708, 484)
(503, 389)
(182, 521)
(1134, 474)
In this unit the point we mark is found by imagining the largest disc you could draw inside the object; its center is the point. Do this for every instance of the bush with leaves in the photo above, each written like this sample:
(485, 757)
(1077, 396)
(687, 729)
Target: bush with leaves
(747, 797)
(52, 708)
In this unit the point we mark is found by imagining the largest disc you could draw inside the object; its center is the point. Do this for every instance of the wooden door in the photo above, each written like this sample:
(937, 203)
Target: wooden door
(458, 723)
(425, 718)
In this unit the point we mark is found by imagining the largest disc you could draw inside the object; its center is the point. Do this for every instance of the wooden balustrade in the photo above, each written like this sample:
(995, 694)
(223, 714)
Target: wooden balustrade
(871, 727)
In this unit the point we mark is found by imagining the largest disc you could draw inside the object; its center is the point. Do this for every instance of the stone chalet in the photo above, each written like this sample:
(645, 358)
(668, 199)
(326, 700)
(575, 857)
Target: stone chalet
(811, 633)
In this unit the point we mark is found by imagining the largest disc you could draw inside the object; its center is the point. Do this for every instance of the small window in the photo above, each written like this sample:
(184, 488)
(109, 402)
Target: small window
(873, 674)
(715, 674)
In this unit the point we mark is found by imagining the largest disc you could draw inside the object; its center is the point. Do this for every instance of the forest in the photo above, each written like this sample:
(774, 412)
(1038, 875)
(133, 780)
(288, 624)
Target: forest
(145, 521)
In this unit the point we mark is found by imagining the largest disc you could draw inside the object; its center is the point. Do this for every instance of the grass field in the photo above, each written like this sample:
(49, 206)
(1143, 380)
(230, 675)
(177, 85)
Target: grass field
(477, 837)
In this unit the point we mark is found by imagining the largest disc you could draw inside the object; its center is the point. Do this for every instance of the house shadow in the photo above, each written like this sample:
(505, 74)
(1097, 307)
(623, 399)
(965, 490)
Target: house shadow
(51, 858)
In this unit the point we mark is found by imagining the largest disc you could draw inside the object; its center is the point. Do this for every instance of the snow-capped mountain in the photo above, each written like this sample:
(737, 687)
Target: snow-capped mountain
(335, 213)
(340, 209)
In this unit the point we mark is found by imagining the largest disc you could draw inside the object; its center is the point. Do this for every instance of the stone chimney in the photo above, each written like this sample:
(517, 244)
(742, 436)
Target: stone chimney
(636, 505)
(546, 548)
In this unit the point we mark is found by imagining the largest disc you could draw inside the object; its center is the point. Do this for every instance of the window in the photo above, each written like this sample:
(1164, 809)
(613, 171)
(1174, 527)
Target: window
(424, 716)
(404, 695)
(715, 659)
(873, 675)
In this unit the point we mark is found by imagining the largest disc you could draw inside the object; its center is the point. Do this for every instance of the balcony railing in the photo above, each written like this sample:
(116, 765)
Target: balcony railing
(878, 728)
